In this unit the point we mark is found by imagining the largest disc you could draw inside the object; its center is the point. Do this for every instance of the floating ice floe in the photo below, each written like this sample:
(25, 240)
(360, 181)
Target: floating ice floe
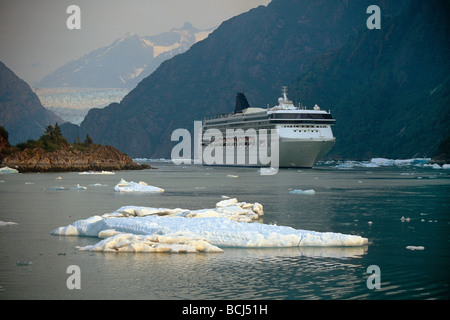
(61, 188)
(98, 185)
(267, 171)
(176, 243)
(78, 187)
(55, 188)
(229, 208)
(403, 219)
(131, 186)
(7, 170)
(144, 229)
(158, 160)
(96, 172)
(399, 162)
(5, 224)
(383, 162)
(415, 247)
(436, 166)
(299, 191)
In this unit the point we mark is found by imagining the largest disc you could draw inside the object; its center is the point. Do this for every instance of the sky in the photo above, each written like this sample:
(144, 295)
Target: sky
(35, 40)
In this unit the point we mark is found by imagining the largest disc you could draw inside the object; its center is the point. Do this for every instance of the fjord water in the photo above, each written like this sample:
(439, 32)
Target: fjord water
(364, 201)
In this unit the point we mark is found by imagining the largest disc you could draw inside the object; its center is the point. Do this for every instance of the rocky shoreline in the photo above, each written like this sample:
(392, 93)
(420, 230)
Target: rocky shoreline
(70, 159)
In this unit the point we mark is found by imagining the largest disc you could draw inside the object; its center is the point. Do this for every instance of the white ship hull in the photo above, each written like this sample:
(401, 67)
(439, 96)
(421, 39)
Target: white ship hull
(292, 154)
(302, 154)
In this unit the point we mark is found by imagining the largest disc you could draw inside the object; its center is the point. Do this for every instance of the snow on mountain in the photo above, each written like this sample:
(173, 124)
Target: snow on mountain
(125, 62)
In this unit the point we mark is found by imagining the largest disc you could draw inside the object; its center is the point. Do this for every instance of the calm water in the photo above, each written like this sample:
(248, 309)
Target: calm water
(365, 201)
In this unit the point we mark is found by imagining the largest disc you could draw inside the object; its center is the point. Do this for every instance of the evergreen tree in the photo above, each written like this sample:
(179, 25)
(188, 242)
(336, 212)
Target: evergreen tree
(4, 133)
(88, 141)
(49, 130)
(57, 134)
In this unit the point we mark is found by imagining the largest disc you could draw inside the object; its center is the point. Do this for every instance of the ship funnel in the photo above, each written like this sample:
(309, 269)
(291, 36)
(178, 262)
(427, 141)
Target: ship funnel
(241, 103)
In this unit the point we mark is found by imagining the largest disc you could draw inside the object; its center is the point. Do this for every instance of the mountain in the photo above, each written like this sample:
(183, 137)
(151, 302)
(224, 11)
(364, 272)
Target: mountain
(256, 52)
(125, 62)
(21, 112)
(389, 89)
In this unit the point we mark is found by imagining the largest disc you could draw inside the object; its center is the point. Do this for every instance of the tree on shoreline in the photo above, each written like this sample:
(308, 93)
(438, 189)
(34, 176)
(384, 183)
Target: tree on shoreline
(51, 140)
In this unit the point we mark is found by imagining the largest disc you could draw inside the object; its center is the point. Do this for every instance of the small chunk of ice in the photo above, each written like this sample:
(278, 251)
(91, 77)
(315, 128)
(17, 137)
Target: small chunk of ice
(298, 191)
(131, 186)
(7, 170)
(415, 247)
(96, 172)
(5, 224)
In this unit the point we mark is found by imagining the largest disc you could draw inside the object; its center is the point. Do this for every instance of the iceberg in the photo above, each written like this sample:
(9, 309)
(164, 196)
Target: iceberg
(131, 186)
(437, 166)
(61, 188)
(4, 223)
(415, 248)
(156, 160)
(383, 162)
(6, 170)
(177, 243)
(78, 187)
(143, 229)
(54, 188)
(399, 162)
(298, 191)
(229, 208)
(97, 172)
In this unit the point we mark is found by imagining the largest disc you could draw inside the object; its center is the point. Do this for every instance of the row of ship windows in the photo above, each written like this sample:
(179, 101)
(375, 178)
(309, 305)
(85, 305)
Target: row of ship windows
(309, 130)
(298, 126)
(237, 126)
(240, 126)
(306, 130)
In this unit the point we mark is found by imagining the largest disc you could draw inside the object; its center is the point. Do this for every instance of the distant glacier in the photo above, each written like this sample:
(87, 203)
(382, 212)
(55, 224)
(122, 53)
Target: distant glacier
(72, 104)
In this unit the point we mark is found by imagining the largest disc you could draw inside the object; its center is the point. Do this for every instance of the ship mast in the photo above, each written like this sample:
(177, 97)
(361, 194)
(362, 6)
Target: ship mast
(284, 92)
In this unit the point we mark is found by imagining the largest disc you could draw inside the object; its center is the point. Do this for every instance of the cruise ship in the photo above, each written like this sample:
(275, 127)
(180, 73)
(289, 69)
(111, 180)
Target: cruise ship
(303, 135)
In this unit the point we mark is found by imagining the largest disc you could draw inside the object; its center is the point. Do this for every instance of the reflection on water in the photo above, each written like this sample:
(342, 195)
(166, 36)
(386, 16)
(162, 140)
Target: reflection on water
(367, 203)
(286, 273)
